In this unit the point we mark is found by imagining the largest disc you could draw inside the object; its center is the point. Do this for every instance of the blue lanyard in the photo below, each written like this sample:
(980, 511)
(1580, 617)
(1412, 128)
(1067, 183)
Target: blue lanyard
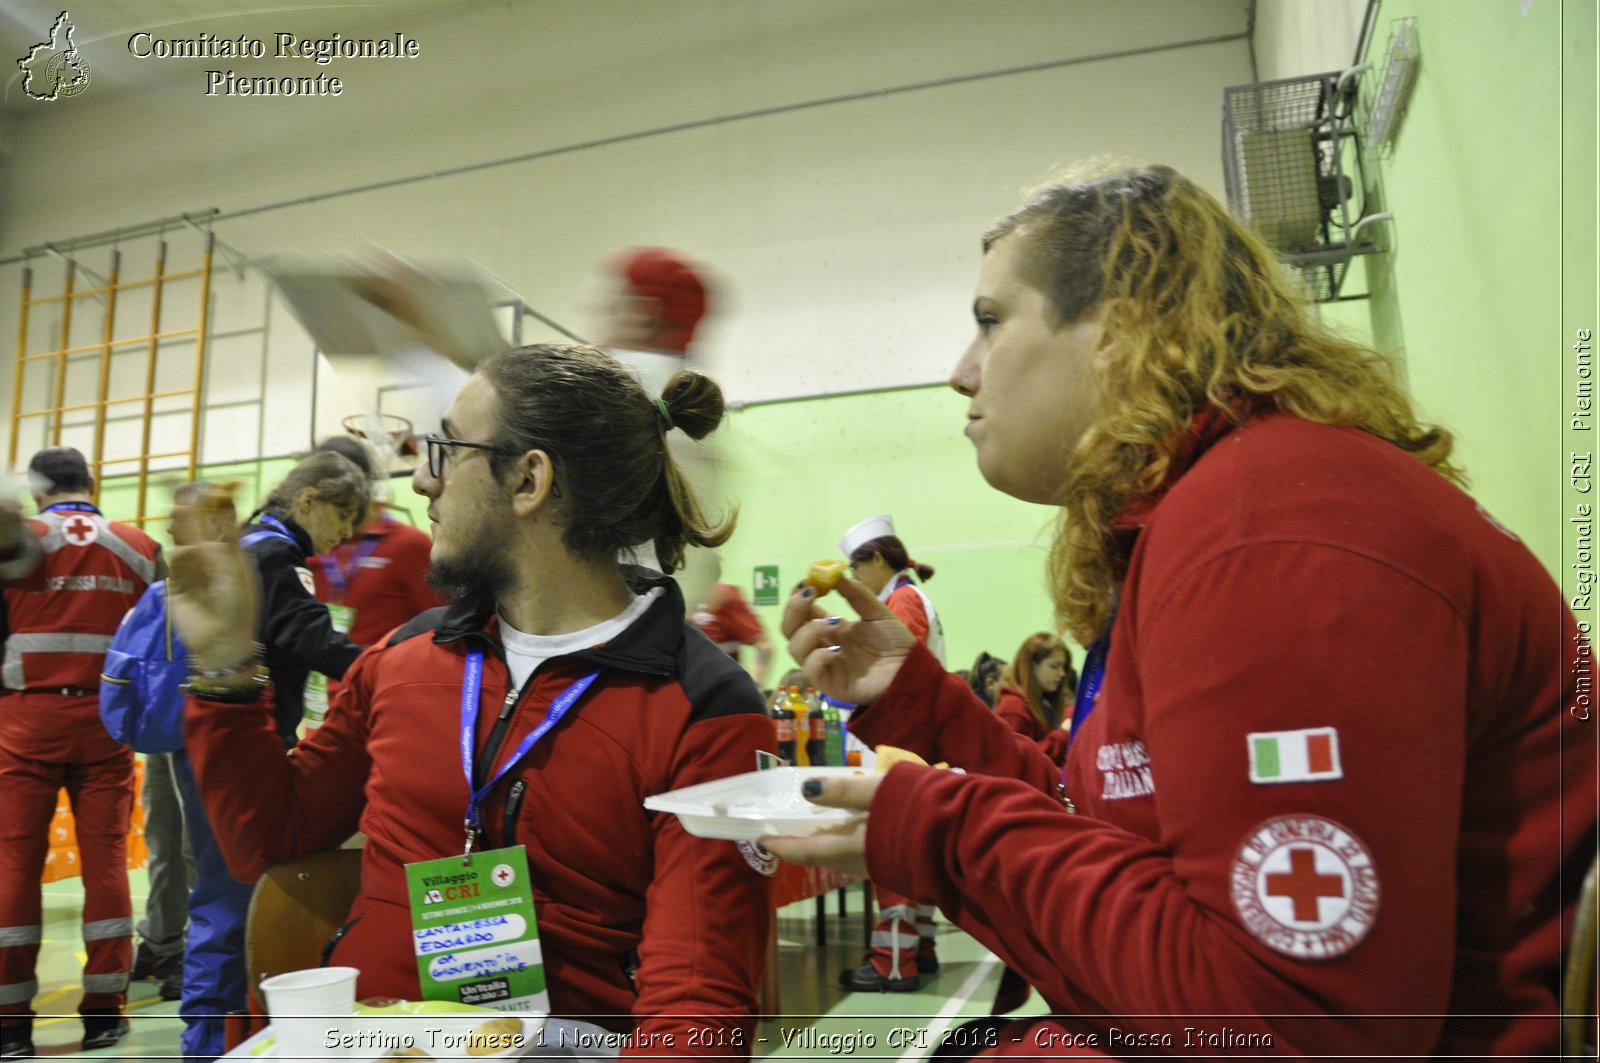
(1088, 696)
(335, 571)
(471, 686)
(1094, 673)
(74, 507)
(281, 530)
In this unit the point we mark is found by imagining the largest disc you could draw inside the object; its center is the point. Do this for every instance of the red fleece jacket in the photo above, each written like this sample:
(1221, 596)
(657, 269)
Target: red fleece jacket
(1409, 894)
(1012, 707)
(615, 887)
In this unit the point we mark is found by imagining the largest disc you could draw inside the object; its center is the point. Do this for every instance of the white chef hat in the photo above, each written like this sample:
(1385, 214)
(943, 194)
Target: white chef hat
(866, 531)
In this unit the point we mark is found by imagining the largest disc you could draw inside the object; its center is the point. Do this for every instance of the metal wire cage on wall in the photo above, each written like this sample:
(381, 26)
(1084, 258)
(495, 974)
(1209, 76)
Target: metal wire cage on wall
(1291, 158)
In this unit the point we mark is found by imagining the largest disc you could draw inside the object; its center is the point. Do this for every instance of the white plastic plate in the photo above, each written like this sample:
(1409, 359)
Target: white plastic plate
(745, 807)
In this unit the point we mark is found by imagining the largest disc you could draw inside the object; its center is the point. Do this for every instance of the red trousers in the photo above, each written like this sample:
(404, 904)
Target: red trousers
(47, 742)
(905, 932)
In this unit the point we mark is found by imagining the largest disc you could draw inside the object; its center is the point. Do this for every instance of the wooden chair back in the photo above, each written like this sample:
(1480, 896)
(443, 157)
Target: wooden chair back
(296, 908)
(1579, 988)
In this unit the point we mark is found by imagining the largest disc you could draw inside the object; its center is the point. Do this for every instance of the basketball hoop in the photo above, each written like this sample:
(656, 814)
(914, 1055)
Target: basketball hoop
(391, 434)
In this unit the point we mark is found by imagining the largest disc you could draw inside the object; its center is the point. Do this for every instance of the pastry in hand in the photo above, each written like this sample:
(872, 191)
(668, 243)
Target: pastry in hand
(825, 575)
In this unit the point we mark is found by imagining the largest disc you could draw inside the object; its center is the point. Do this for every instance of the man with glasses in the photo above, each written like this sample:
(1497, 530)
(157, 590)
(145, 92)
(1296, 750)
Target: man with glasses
(530, 719)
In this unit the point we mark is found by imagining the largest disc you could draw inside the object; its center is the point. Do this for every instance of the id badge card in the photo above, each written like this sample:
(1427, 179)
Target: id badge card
(316, 695)
(343, 617)
(315, 700)
(474, 932)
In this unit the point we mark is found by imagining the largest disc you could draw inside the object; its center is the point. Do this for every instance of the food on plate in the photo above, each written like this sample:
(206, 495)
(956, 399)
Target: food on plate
(825, 575)
(889, 756)
(496, 1035)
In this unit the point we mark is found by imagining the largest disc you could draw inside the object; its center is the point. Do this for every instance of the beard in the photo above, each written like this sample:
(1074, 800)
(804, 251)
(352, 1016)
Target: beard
(480, 570)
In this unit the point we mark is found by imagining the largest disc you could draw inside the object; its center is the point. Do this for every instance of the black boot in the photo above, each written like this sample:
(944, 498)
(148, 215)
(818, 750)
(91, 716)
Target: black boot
(16, 1038)
(146, 964)
(102, 1029)
(866, 979)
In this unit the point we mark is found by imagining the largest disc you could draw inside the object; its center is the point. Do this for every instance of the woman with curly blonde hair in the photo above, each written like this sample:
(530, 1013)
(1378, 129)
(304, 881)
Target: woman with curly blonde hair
(1322, 777)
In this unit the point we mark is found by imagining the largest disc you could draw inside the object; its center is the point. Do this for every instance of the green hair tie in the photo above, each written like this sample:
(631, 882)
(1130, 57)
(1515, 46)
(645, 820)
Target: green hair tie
(666, 415)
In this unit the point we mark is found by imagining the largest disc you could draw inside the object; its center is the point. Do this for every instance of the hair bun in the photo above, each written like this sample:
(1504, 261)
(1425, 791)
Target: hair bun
(694, 402)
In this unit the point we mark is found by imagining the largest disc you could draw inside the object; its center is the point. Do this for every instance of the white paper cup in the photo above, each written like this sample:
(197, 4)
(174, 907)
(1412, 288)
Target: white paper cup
(305, 1005)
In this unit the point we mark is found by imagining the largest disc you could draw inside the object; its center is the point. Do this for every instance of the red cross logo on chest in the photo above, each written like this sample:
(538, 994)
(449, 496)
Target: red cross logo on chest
(1304, 885)
(79, 530)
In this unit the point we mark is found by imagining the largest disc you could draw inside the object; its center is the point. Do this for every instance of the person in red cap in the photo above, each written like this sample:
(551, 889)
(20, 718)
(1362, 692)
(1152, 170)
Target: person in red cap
(663, 299)
(664, 296)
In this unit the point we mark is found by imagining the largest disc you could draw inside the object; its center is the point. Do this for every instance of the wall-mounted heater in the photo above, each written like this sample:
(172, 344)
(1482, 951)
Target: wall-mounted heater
(1289, 150)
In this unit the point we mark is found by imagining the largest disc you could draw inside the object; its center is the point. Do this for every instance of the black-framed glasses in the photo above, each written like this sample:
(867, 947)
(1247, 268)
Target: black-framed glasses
(436, 448)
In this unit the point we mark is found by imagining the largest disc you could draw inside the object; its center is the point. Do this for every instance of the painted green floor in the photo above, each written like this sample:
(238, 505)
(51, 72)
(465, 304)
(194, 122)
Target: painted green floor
(822, 1021)
(819, 1020)
(57, 1030)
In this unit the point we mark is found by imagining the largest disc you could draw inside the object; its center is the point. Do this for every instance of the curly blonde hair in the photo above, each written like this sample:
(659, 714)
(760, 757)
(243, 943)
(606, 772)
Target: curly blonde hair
(1198, 313)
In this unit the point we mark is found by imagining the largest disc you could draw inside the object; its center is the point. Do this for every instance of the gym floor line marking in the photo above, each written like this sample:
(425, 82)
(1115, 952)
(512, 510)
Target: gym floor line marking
(132, 1005)
(941, 1021)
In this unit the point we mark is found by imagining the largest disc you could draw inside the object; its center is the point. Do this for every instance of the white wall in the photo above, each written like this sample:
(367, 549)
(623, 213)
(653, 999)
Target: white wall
(846, 232)
(1295, 37)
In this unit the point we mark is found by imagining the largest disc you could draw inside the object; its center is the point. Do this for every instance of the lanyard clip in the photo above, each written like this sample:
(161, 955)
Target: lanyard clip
(472, 837)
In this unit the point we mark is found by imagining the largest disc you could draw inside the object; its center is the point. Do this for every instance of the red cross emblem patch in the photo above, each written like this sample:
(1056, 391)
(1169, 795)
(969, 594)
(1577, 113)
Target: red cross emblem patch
(80, 530)
(1306, 887)
(502, 875)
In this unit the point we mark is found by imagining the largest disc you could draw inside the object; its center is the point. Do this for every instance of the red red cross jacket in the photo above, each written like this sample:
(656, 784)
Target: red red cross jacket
(382, 572)
(1012, 707)
(1331, 789)
(727, 619)
(636, 917)
(65, 593)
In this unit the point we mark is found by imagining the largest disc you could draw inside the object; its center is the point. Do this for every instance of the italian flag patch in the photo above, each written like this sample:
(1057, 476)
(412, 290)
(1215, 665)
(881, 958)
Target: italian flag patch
(1294, 756)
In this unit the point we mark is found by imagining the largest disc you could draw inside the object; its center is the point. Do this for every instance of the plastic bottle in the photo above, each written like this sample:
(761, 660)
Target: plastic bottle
(816, 731)
(797, 705)
(833, 742)
(783, 720)
(853, 746)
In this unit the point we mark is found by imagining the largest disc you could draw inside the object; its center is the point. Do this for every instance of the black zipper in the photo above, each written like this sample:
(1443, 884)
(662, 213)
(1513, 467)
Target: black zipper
(491, 748)
(338, 936)
(514, 798)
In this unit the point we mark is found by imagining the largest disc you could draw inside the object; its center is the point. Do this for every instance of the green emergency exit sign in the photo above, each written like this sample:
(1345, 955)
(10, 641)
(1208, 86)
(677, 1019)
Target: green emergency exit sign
(766, 585)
